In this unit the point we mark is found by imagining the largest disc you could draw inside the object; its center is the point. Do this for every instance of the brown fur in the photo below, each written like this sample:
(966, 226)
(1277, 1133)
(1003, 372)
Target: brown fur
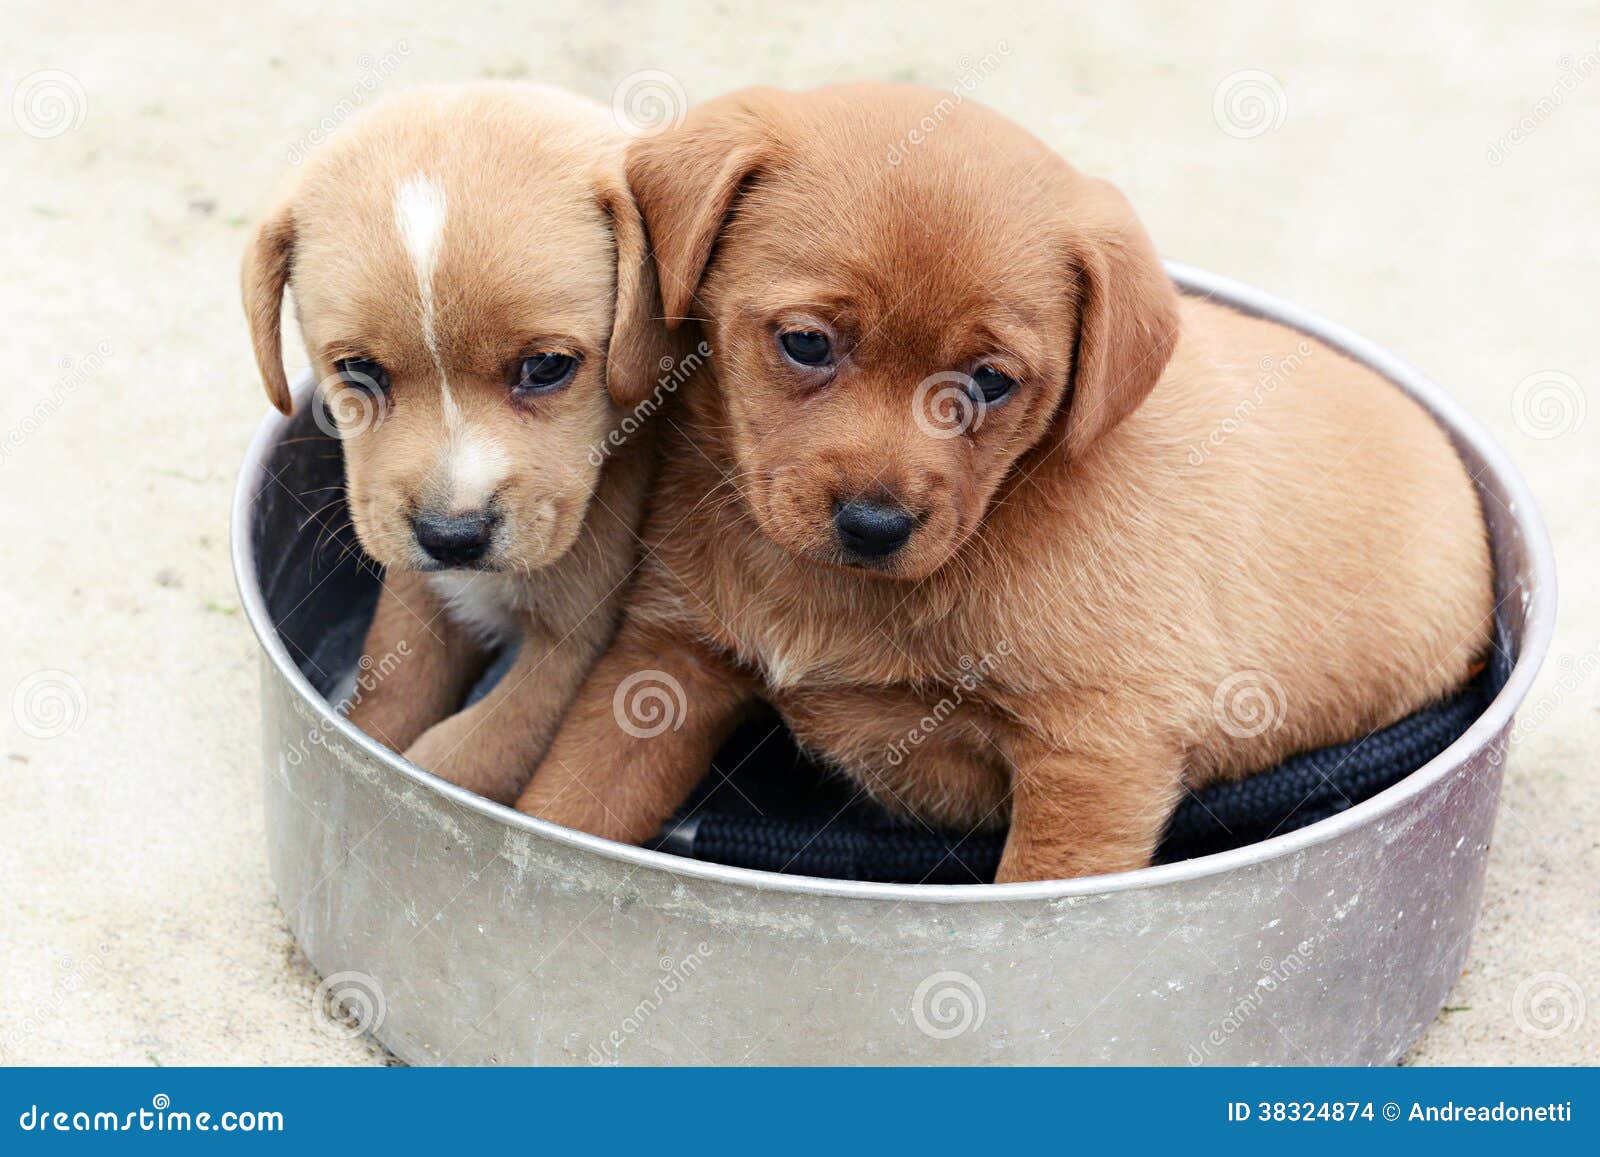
(540, 249)
(1096, 566)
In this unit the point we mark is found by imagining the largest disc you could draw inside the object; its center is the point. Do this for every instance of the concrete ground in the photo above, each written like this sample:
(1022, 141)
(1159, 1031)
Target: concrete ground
(1431, 180)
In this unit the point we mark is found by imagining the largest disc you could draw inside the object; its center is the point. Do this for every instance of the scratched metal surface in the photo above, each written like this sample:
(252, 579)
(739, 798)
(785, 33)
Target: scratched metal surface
(494, 938)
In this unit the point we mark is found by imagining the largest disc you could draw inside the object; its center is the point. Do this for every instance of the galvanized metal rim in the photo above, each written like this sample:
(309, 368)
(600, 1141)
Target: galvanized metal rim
(1539, 628)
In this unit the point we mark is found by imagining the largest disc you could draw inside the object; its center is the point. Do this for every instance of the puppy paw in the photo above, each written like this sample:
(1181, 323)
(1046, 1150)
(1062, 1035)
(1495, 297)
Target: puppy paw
(452, 751)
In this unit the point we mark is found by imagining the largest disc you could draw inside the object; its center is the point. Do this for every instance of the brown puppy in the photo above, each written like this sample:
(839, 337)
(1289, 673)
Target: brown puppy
(472, 284)
(1003, 527)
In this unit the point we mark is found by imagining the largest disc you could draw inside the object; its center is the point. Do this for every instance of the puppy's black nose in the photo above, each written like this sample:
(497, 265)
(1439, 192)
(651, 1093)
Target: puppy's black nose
(455, 539)
(872, 529)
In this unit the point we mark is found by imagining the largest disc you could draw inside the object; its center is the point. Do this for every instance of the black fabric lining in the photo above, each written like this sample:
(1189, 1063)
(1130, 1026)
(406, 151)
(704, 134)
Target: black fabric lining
(765, 805)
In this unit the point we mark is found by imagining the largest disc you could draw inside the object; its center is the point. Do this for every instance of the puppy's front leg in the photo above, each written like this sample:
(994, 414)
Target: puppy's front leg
(416, 665)
(493, 746)
(639, 736)
(1086, 809)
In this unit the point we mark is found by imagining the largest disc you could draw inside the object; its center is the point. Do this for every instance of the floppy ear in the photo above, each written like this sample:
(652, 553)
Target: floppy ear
(262, 281)
(638, 339)
(1127, 315)
(686, 181)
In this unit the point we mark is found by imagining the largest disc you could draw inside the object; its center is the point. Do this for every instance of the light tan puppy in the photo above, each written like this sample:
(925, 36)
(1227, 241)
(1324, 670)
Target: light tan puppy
(1003, 527)
(471, 280)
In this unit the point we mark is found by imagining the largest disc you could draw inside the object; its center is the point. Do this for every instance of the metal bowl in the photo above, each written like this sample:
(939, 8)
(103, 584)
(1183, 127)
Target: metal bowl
(468, 933)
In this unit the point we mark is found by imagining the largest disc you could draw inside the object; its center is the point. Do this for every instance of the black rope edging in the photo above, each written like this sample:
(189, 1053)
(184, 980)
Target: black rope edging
(859, 845)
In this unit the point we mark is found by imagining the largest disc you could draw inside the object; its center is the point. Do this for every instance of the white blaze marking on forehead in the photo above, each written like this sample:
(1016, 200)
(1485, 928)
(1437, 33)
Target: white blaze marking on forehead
(419, 213)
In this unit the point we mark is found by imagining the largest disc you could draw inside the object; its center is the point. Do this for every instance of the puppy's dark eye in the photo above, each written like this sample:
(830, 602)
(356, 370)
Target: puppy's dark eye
(544, 373)
(806, 347)
(991, 385)
(363, 374)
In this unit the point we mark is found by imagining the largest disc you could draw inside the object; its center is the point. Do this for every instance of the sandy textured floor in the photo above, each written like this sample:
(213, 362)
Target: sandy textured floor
(1432, 182)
